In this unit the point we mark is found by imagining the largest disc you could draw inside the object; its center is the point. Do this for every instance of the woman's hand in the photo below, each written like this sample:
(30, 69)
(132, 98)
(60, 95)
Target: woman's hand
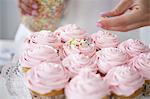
(128, 15)
(29, 7)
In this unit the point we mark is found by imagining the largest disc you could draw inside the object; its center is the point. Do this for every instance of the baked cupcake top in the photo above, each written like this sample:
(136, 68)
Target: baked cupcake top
(87, 85)
(133, 47)
(70, 31)
(124, 80)
(108, 58)
(43, 38)
(47, 77)
(82, 46)
(103, 39)
(142, 64)
(38, 54)
(76, 62)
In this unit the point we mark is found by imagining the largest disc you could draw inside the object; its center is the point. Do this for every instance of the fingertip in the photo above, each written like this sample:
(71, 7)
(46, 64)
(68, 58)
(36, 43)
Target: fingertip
(102, 25)
(98, 24)
(103, 14)
(103, 22)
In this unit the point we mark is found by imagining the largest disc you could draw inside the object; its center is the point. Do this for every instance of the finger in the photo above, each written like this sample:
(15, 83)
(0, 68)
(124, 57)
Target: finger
(123, 6)
(126, 19)
(137, 25)
(129, 27)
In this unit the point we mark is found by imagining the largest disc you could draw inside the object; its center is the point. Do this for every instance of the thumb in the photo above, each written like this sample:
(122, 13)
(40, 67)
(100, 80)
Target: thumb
(123, 6)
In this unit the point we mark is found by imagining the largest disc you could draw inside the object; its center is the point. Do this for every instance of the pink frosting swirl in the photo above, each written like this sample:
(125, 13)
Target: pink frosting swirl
(70, 31)
(133, 47)
(47, 77)
(82, 46)
(87, 85)
(76, 62)
(43, 38)
(104, 39)
(142, 64)
(124, 80)
(109, 58)
(39, 54)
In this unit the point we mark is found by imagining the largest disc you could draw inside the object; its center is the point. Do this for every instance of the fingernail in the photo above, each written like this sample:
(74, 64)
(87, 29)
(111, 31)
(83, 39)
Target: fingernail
(98, 24)
(103, 14)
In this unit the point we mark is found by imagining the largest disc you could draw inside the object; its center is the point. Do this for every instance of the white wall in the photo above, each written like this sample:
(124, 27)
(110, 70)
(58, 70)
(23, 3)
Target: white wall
(145, 34)
(9, 18)
(0, 20)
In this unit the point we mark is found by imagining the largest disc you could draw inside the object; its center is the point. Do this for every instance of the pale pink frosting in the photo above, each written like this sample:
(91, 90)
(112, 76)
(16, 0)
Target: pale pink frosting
(87, 85)
(124, 80)
(142, 64)
(43, 38)
(46, 77)
(133, 47)
(104, 39)
(82, 46)
(70, 31)
(109, 58)
(76, 62)
(39, 54)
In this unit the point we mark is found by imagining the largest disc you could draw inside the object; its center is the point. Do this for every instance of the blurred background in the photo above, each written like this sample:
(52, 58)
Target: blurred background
(9, 19)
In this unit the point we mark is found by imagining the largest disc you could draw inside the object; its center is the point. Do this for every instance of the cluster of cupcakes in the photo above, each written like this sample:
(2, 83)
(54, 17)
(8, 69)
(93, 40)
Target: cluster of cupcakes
(72, 64)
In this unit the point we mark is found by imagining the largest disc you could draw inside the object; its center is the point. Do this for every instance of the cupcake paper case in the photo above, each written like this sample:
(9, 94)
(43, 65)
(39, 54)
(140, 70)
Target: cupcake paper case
(47, 81)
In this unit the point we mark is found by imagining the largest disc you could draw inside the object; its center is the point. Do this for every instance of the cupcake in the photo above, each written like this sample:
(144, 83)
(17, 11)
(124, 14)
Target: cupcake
(125, 82)
(133, 47)
(70, 31)
(87, 85)
(108, 58)
(142, 64)
(103, 39)
(47, 81)
(82, 46)
(40, 53)
(44, 38)
(76, 62)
